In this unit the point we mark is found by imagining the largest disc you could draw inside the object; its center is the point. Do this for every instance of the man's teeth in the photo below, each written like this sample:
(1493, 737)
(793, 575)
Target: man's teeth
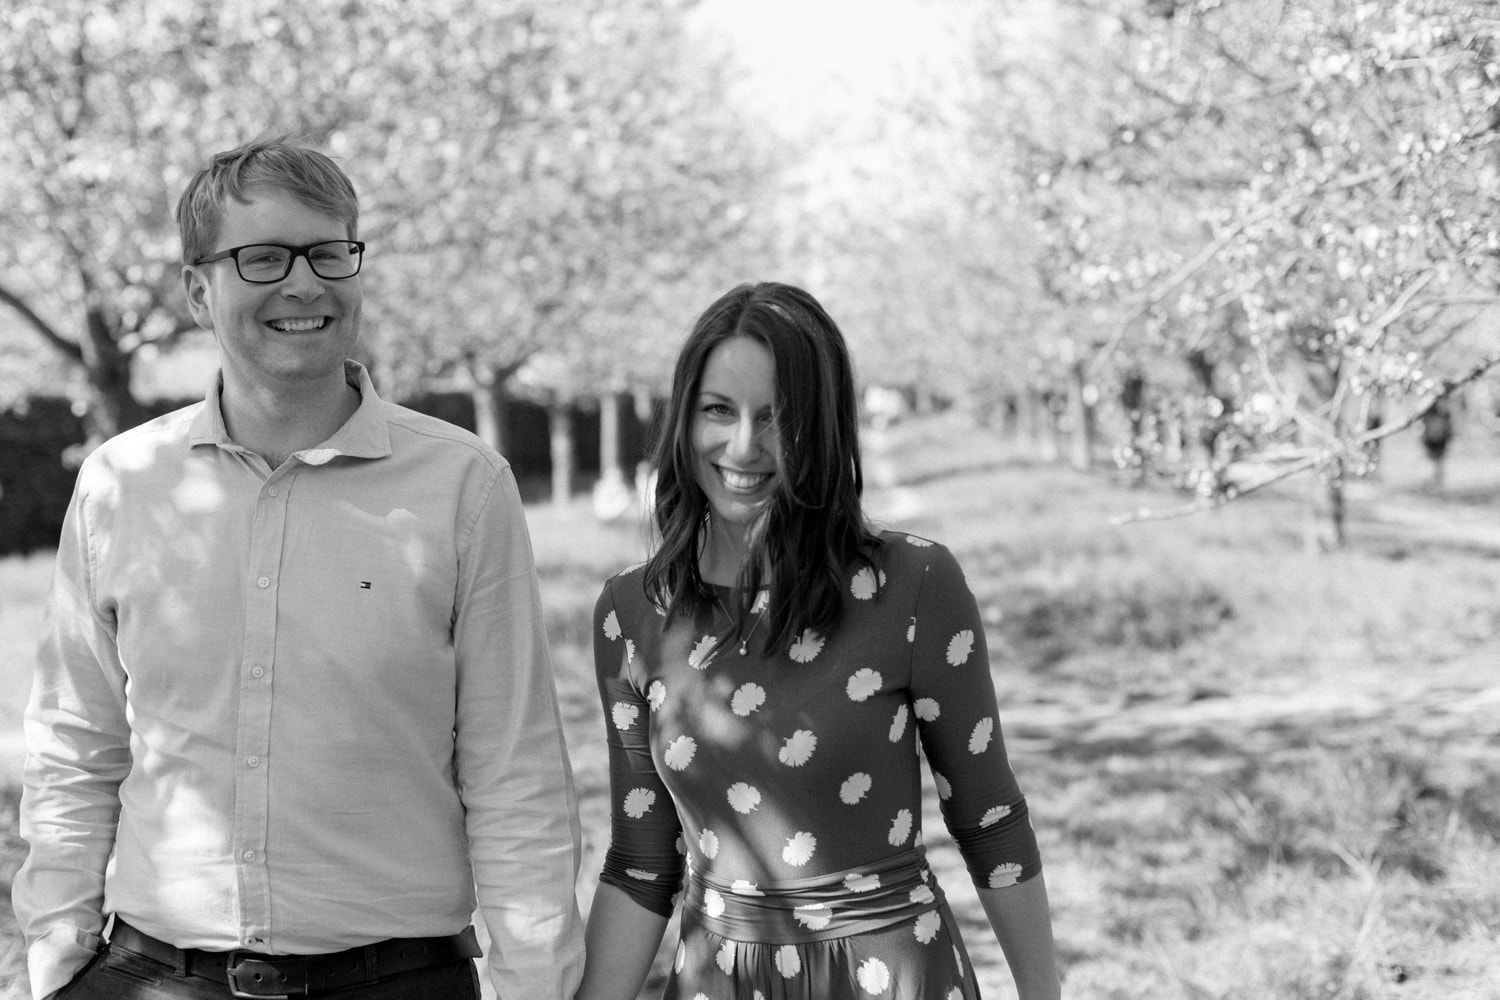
(741, 480)
(299, 325)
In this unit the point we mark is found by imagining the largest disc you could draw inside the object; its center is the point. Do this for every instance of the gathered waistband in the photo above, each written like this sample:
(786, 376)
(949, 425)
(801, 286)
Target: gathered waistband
(857, 901)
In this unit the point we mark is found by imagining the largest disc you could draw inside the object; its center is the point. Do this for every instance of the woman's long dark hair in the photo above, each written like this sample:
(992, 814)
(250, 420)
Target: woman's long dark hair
(814, 527)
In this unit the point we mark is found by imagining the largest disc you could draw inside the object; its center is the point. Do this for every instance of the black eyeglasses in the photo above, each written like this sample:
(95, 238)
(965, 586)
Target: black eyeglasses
(267, 263)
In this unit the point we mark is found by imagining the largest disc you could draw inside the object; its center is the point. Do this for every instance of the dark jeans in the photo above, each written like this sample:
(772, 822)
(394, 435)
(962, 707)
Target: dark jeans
(116, 974)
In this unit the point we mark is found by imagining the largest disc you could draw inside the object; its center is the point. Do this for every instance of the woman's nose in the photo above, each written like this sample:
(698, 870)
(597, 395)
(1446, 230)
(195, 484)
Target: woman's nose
(744, 441)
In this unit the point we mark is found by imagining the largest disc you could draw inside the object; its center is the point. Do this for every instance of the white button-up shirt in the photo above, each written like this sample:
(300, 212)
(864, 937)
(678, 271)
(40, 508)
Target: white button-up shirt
(298, 710)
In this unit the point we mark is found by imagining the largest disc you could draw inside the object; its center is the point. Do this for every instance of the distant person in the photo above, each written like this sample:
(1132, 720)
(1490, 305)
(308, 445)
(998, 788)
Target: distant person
(293, 697)
(1374, 421)
(1437, 433)
(766, 676)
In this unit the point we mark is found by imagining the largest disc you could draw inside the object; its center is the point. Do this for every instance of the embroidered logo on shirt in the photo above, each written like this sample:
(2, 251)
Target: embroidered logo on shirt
(364, 585)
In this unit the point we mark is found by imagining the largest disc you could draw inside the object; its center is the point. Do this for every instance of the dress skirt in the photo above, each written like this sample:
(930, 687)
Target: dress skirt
(883, 931)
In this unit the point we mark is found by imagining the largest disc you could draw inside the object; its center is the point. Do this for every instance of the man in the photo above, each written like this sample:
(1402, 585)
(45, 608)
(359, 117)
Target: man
(293, 697)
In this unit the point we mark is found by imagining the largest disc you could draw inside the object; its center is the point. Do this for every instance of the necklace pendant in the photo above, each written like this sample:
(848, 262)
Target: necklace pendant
(743, 644)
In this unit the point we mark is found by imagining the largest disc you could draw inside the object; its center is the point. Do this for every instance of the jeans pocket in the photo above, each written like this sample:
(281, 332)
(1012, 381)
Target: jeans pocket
(81, 974)
(120, 964)
(115, 974)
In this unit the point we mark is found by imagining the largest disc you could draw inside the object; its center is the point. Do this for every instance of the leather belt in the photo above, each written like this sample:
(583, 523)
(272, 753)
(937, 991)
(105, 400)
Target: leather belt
(251, 974)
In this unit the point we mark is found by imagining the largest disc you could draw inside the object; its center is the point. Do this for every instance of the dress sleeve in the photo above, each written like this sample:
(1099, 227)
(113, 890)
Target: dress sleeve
(958, 721)
(643, 859)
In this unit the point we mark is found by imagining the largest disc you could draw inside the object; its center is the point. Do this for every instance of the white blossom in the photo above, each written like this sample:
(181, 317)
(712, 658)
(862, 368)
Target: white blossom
(798, 748)
(863, 684)
(979, 740)
(744, 798)
(799, 849)
(638, 802)
(807, 646)
(960, 646)
(679, 753)
(747, 699)
(855, 787)
(873, 976)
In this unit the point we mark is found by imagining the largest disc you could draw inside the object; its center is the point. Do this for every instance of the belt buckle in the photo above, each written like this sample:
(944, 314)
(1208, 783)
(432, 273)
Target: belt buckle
(251, 975)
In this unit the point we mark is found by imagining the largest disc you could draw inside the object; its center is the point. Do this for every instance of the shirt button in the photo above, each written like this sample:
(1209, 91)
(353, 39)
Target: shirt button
(273, 491)
(253, 761)
(251, 942)
(263, 582)
(257, 671)
(248, 856)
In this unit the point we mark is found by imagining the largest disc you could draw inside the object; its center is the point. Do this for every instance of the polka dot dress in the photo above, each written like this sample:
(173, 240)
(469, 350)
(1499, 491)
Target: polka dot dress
(787, 786)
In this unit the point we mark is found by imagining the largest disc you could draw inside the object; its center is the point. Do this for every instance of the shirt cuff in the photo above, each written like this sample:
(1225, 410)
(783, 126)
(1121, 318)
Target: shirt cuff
(57, 956)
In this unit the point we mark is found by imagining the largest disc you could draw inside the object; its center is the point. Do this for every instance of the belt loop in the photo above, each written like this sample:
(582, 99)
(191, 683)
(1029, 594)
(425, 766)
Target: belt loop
(372, 974)
(180, 959)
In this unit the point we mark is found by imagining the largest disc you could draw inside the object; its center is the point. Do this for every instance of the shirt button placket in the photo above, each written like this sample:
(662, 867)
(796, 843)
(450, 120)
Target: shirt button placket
(252, 784)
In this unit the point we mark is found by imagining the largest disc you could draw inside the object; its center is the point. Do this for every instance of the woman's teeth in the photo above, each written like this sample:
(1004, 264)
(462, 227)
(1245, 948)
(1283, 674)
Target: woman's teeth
(742, 480)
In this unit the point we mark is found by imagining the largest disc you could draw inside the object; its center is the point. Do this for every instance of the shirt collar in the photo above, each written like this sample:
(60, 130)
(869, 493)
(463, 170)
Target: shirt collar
(366, 434)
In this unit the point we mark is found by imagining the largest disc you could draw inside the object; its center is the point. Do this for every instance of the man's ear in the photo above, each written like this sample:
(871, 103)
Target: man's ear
(195, 284)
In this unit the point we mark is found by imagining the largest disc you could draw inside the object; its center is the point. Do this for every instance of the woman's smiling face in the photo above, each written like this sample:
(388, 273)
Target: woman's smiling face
(736, 449)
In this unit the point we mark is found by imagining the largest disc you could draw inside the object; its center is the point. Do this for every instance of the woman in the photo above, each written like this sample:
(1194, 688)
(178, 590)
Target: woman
(766, 675)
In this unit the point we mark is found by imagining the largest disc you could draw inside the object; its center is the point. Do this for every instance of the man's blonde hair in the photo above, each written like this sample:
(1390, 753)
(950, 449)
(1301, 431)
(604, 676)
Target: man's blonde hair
(307, 175)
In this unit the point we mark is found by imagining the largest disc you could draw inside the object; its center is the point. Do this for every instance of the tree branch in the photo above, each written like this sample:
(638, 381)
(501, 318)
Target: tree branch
(1309, 460)
(71, 350)
(1445, 389)
(1203, 257)
(1304, 463)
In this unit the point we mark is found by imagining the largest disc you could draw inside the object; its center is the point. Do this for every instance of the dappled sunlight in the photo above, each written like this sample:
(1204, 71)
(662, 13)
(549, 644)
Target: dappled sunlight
(1253, 772)
(198, 827)
(1194, 710)
(198, 493)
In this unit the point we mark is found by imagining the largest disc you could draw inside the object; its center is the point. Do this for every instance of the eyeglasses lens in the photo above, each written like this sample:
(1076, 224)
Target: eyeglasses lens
(334, 259)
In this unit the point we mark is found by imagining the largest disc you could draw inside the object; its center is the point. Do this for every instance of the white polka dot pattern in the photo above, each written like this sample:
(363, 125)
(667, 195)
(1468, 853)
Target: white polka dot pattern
(751, 759)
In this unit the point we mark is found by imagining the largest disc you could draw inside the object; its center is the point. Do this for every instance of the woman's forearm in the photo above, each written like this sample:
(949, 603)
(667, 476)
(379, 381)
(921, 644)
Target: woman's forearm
(1022, 920)
(620, 945)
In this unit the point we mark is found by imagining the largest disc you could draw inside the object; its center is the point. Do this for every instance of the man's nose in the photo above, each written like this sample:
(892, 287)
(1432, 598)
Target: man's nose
(302, 282)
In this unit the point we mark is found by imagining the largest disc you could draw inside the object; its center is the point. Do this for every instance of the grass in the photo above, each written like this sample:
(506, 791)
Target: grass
(1254, 772)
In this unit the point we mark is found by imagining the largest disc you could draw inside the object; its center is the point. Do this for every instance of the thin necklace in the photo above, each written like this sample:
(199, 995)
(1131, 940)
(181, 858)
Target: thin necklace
(761, 603)
(762, 600)
(745, 639)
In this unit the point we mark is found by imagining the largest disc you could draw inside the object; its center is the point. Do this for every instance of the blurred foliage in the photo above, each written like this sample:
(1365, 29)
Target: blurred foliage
(532, 173)
(1219, 242)
(1287, 212)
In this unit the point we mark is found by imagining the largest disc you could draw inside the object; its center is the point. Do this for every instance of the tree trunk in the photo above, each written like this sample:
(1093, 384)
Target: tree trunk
(1052, 413)
(612, 494)
(491, 404)
(1080, 420)
(560, 427)
(1327, 510)
(1133, 403)
(1010, 417)
(1027, 421)
(115, 407)
(609, 438)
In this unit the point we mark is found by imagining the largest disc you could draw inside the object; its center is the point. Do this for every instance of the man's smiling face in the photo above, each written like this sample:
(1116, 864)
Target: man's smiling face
(274, 335)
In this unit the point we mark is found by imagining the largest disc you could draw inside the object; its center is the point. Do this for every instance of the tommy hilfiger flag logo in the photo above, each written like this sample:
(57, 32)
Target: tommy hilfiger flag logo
(364, 585)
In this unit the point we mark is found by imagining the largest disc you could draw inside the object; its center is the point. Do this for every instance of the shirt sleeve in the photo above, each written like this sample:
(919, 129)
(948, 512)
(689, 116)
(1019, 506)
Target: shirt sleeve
(959, 722)
(78, 752)
(513, 774)
(643, 860)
